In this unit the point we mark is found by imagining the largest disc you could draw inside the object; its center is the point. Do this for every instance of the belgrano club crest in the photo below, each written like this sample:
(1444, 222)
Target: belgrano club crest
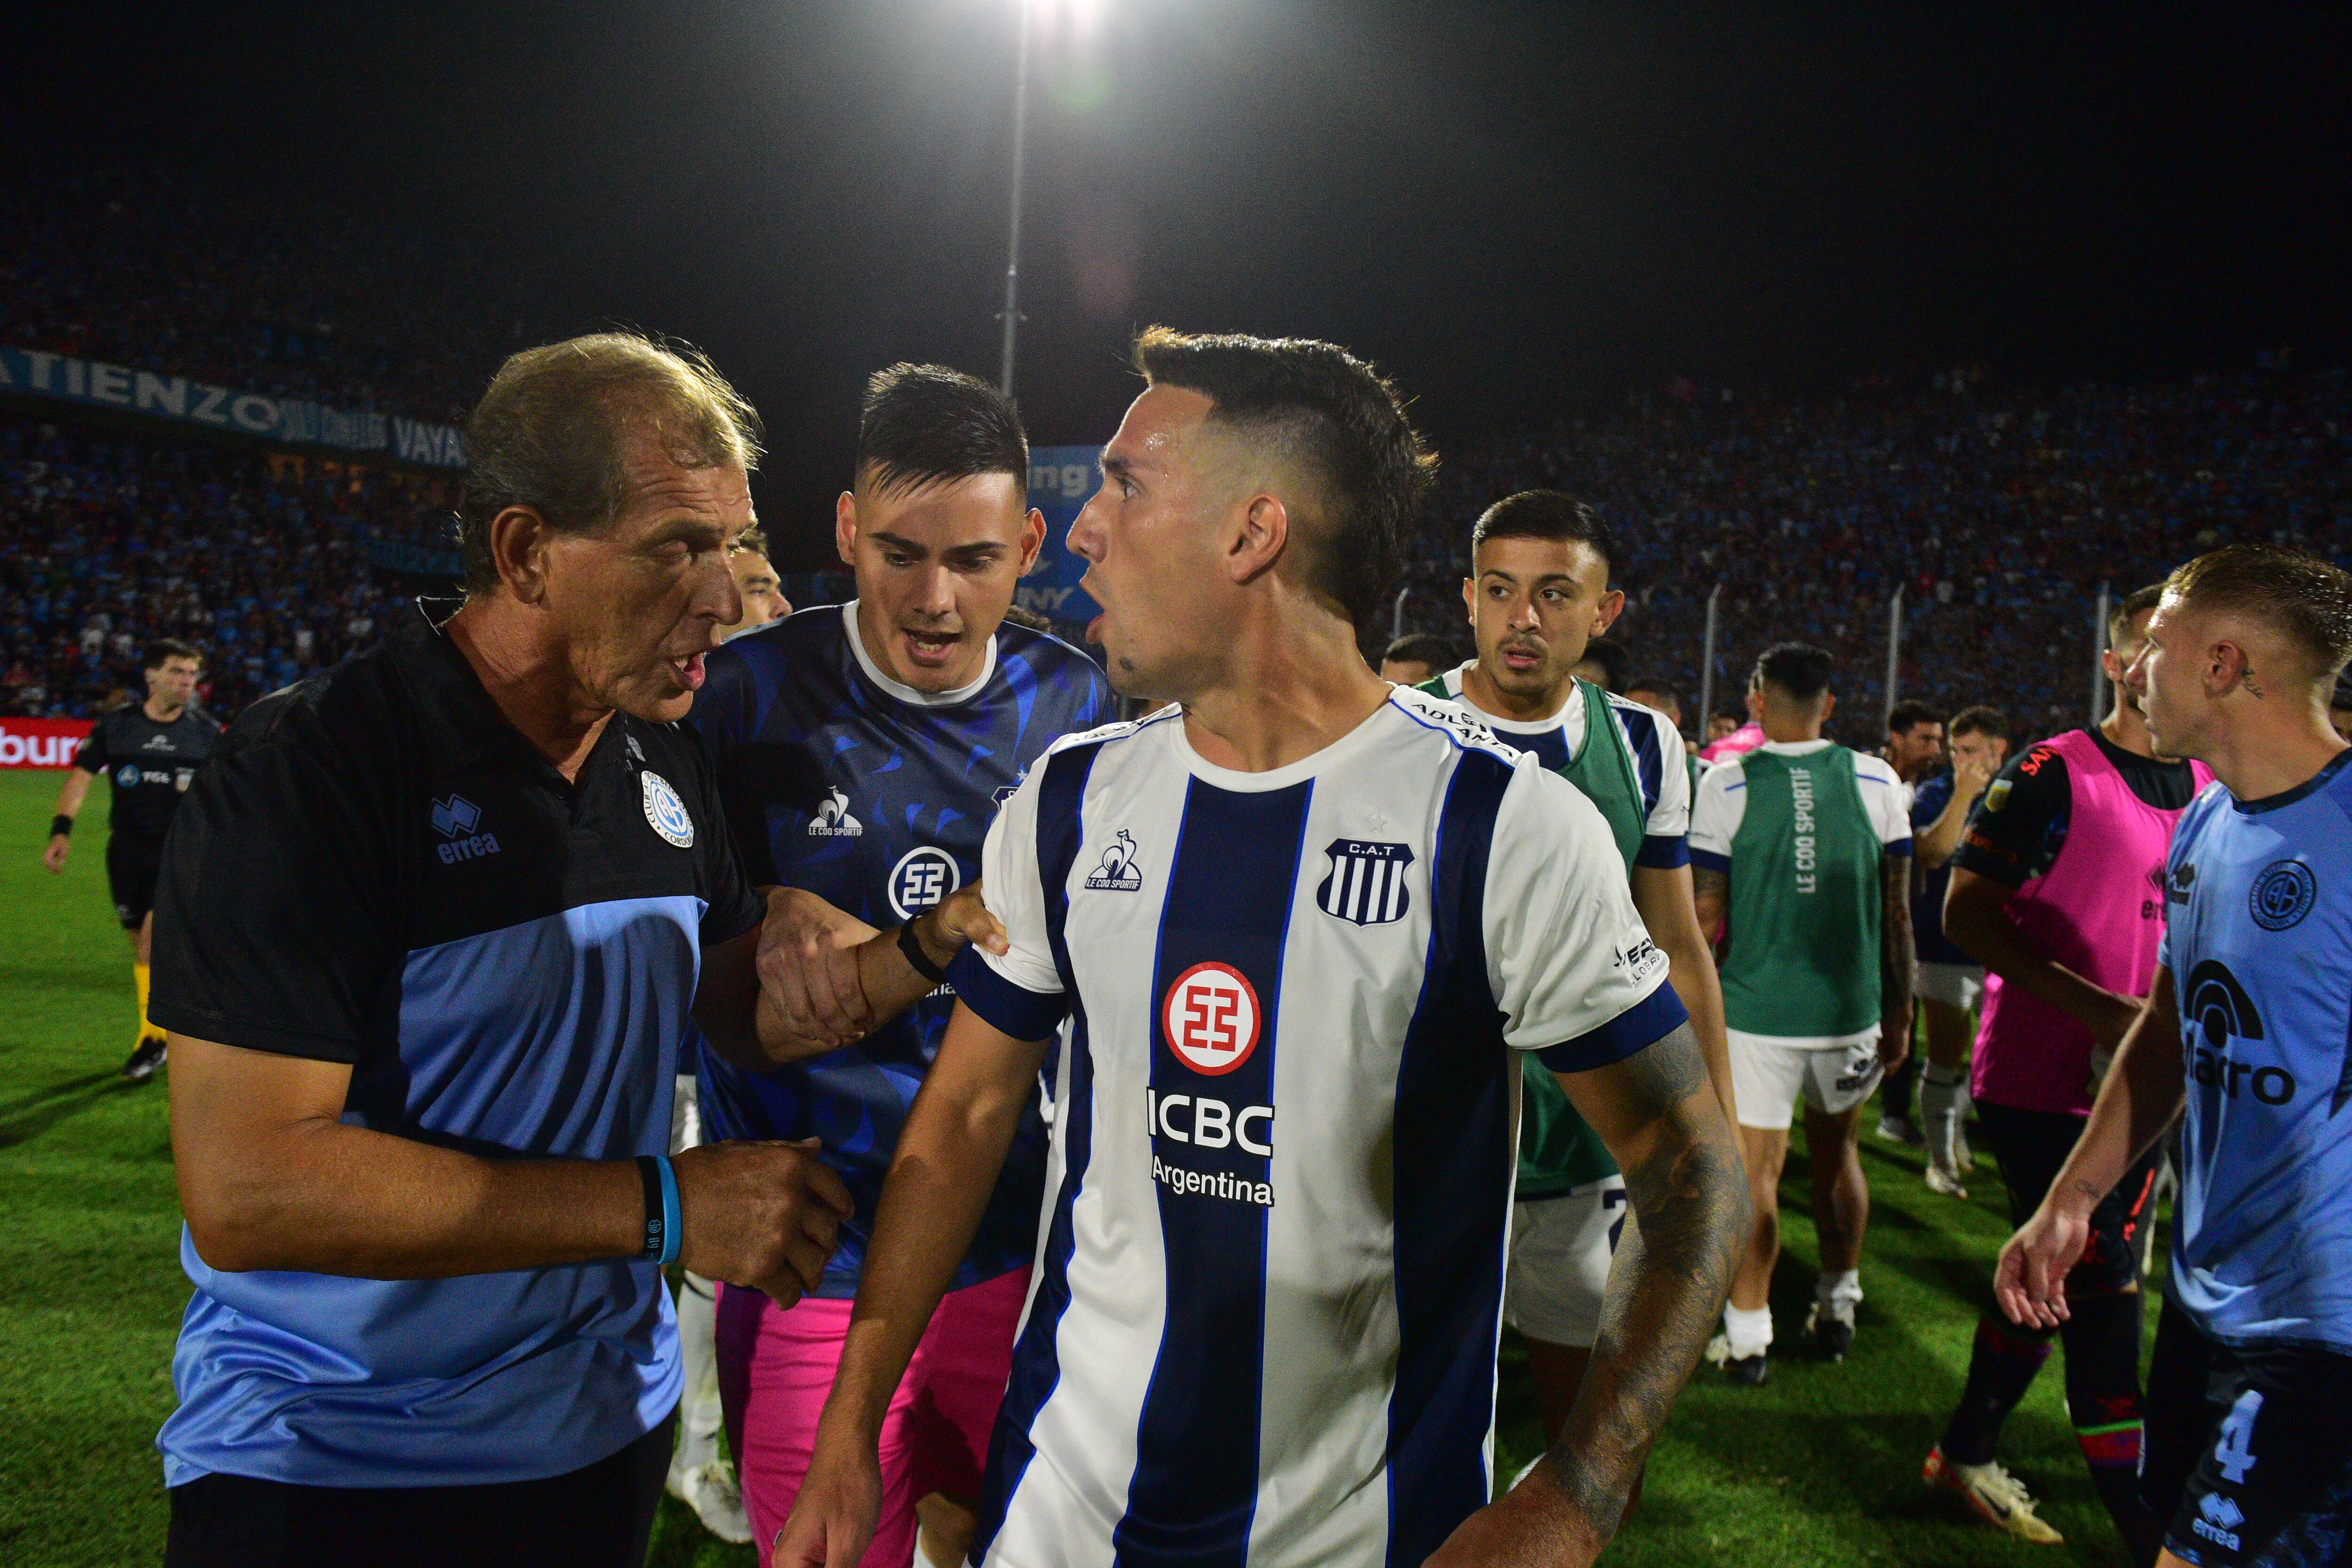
(1366, 882)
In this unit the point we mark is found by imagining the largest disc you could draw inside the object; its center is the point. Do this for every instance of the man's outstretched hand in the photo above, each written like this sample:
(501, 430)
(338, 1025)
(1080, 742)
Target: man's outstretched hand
(762, 1215)
(2030, 1280)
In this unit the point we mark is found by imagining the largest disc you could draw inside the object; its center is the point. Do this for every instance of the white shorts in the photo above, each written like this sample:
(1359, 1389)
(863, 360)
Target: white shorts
(1959, 986)
(1767, 1077)
(1561, 1250)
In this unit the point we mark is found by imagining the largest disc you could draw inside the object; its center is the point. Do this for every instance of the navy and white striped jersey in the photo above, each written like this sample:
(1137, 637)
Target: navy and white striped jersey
(1263, 1325)
(1659, 765)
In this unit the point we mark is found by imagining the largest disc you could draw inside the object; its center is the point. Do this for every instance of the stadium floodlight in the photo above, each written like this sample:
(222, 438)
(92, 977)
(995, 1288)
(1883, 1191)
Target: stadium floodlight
(1013, 245)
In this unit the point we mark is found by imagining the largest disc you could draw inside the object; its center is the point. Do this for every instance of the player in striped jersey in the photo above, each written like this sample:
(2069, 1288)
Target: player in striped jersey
(1537, 595)
(1299, 920)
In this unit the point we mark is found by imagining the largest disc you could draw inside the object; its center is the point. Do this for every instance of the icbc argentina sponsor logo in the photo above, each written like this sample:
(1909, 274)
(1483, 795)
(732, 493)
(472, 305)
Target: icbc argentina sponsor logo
(1212, 1022)
(41, 743)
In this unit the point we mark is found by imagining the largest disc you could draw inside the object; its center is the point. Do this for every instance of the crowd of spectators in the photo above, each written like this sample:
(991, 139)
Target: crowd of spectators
(1998, 515)
(266, 561)
(255, 292)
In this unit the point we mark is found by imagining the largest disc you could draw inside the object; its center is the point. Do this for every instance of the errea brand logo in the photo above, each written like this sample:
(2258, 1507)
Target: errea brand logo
(455, 818)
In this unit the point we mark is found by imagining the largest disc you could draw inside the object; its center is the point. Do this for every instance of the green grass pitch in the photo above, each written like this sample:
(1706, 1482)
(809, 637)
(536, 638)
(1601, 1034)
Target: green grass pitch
(1822, 1466)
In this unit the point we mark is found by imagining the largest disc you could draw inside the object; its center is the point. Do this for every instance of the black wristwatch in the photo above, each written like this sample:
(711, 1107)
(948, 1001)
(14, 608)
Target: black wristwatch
(912, 946)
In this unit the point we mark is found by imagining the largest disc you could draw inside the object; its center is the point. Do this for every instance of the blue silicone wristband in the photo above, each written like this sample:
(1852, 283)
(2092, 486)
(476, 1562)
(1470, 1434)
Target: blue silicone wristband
(673, 1234)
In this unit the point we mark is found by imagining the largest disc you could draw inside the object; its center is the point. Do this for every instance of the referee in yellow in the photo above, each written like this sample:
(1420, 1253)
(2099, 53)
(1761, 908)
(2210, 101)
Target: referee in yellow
(428, 930)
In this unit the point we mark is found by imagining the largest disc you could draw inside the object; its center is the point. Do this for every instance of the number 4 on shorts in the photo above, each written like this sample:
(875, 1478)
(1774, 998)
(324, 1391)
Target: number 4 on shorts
(2235, 1450)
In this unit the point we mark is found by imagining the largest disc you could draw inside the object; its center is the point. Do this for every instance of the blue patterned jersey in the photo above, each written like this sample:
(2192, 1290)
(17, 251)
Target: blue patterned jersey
(1928, 887)
(876, 797)
(2259, 894)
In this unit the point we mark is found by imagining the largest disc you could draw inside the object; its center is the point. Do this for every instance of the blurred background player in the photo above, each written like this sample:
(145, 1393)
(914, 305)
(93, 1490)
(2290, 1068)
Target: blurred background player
(862, 750)
(756, 580)
(2249, 1455)
(1650, 694)
(152, 751)
(1915, 750)
(1413, 658)
(1806, 847)
(1604, 663)
(2058, 890)
(700, 1476)
(1538, 597)
(1950, 983)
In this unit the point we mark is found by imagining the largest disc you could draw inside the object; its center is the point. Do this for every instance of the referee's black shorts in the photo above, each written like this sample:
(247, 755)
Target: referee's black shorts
(600, 1516)
(132, 864)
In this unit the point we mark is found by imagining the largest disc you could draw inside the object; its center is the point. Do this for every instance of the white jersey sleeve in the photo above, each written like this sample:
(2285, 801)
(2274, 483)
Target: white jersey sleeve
(1671, 818)
(1019, 992)
(1571, 966)
(1886, 798)
(1715, 814)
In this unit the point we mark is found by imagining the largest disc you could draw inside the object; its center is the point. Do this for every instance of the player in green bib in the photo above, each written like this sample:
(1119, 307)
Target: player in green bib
(1538, 591)
(1806, 847)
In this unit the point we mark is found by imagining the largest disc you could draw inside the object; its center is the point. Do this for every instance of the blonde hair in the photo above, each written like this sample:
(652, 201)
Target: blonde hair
(552, 432)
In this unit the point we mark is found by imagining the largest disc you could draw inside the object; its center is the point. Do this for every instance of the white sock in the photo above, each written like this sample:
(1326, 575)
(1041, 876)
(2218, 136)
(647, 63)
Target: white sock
(698, 1413)
(1839, 1292)
(1943, 1096)
(1748, 1331)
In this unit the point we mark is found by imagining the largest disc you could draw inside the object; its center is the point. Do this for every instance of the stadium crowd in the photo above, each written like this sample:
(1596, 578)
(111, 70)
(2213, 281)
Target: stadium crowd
(107, 544)
(291, 300)
(1999, 515)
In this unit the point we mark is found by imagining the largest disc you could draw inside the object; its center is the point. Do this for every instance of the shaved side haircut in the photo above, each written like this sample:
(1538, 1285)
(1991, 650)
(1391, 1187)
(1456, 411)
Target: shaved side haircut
(1340, 422)
(2300, 597)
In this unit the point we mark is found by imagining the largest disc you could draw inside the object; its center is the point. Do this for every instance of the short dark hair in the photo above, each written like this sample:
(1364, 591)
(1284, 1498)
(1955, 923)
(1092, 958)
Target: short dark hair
(2130, 608)
(925, 423)
(1909, 714)
(1666, 695)
(1798, 668)
(1334, 414)
(551, 434)
(1546, 514)
(1611, 656)
(1422, 648)
(165, 649)
(1981, 719)
(2301, 597)
(753, 539)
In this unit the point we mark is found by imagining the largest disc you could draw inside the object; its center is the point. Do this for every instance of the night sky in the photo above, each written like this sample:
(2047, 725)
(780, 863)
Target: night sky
(1517, 210)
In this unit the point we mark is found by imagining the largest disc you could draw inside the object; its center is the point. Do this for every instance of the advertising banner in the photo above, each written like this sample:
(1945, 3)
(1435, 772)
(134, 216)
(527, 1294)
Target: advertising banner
(41, 743)
(1061, 481)
(176, 399)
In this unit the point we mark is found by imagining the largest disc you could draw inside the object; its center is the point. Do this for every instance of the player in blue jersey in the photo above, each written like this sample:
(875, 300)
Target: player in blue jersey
(1300, 923)
(1950, 983)
(2248, 1452)
(861, 749)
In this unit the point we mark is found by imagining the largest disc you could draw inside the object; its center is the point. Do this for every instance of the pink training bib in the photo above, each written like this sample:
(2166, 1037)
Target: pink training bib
(2098, 910)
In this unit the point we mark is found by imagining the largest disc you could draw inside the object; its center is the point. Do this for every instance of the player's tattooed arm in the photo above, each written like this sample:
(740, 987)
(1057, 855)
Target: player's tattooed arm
(1711, 891)
(1660, 1116)
(1896, 960)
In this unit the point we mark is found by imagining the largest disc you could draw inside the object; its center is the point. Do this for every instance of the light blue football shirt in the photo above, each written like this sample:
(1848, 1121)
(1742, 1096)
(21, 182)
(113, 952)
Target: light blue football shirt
(2260, 946)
